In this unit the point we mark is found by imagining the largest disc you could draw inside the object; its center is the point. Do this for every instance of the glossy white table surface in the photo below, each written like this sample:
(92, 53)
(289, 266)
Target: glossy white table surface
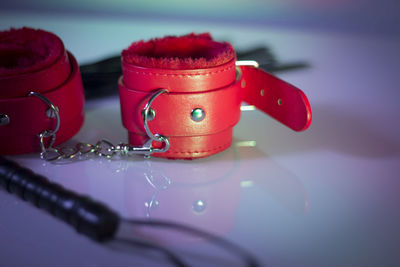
(328, 196)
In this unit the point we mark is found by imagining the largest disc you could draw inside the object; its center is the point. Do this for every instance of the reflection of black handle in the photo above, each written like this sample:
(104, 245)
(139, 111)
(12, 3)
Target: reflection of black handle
(92, 218)
(85, 215)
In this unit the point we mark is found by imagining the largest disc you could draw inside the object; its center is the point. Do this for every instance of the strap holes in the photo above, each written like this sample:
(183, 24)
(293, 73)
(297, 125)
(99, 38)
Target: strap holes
(262, 92)
(279, 102)
(243, 84)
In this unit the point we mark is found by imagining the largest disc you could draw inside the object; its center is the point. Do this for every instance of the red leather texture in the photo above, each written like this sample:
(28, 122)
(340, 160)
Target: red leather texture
(28, 113)
(218, 91)
(54, 75)
(195, 80)
(215, 90)
(279, 99)
(28, 57)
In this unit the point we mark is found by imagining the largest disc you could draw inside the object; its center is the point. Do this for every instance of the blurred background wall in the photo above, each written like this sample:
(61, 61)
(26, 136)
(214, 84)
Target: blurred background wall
(362, 16)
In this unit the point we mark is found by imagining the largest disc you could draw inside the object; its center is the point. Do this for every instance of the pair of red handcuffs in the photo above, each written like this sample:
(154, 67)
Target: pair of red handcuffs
(180, 96)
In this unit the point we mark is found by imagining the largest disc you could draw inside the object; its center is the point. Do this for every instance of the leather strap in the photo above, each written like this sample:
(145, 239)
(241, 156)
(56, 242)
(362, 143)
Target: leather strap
(53, 75)
(184, 81)
(27, 114)
(277, 98)
(218, 91)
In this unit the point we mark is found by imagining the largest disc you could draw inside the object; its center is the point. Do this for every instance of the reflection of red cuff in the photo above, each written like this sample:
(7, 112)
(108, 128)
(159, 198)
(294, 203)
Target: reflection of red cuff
(36, 60)
(199, 73)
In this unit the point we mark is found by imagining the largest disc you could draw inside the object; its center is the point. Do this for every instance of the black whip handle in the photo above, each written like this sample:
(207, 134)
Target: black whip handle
(88, 217)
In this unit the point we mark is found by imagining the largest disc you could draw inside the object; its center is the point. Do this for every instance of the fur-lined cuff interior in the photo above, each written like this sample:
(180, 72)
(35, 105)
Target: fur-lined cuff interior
(192, 51)
(27, 50)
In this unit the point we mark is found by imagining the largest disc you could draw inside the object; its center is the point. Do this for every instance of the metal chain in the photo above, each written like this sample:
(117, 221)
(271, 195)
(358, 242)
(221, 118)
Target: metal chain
(103, 148)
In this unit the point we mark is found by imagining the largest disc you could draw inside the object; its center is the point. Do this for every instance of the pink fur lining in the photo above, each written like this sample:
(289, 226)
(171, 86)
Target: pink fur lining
(192, 51)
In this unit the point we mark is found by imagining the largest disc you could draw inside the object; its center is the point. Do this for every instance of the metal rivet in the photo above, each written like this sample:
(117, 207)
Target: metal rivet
(262, 92)
(4, 119)
(150, 115)
(279, 102)
(243, 84)
(197, 114)
(199, 206)
(50, 113)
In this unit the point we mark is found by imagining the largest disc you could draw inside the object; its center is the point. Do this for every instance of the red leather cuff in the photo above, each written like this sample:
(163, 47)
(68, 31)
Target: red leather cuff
(188, 138)
(54, 74)
(215, 89)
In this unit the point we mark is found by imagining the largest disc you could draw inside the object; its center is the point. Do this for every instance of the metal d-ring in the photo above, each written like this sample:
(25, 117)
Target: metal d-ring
(48, 153)
(155, 137)
(54, 108)
(103, 147)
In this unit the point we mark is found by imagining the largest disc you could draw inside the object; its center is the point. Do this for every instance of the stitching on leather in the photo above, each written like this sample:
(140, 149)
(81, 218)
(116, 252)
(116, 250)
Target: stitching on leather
(181, 75)
(203, 151)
